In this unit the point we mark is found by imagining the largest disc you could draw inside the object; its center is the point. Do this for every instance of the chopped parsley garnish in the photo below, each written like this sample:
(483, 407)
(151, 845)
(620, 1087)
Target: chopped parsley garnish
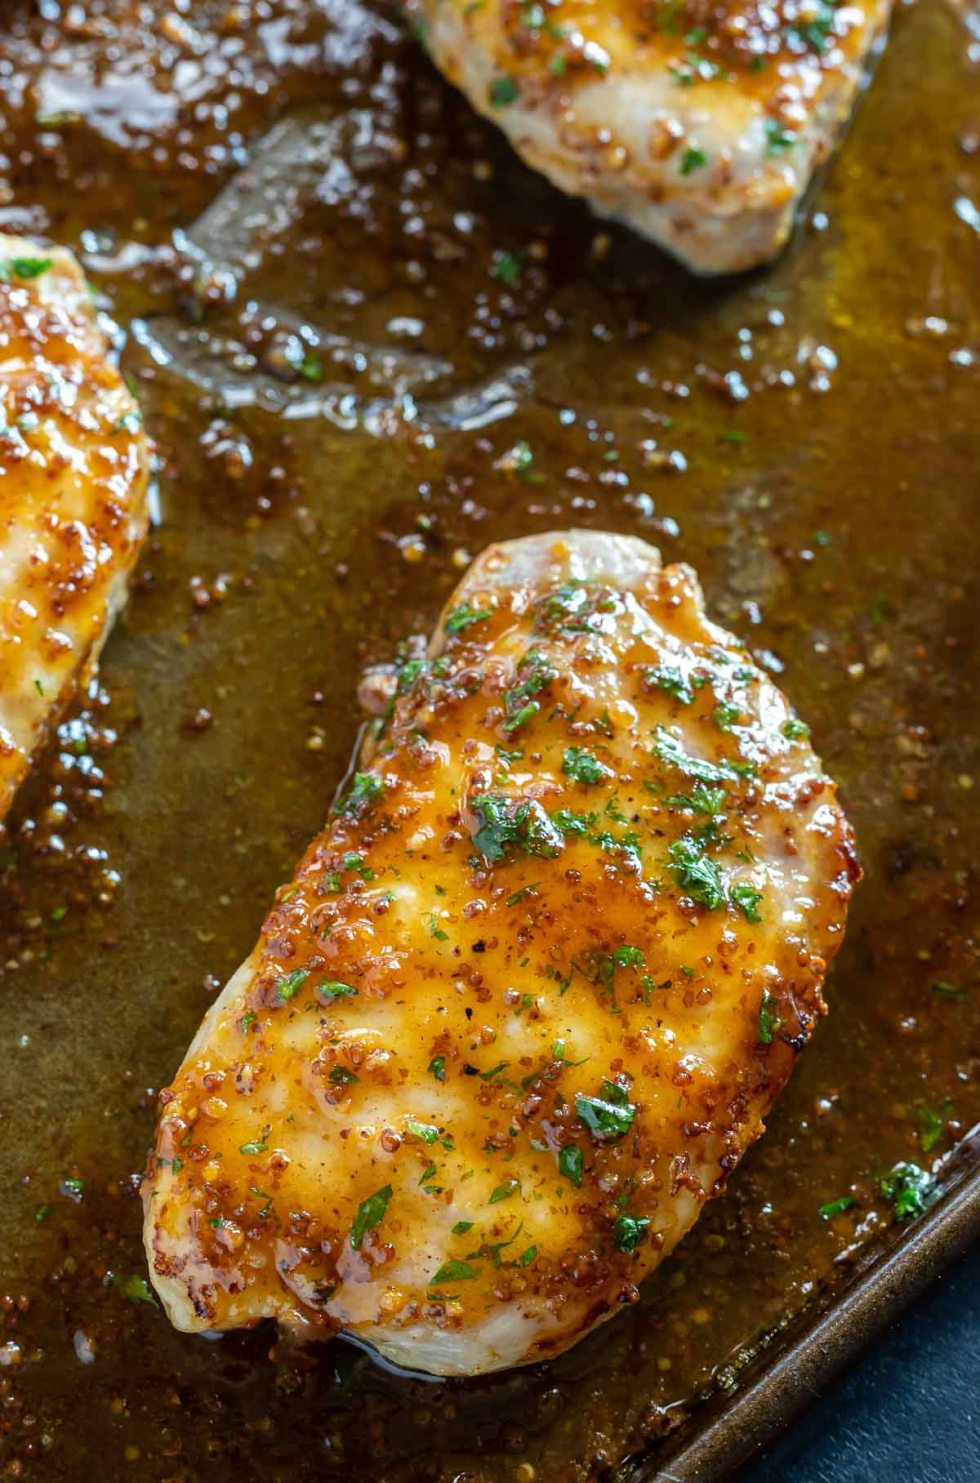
(256, 1146)
(286, 987)
(504, 1191)
(428, 1174)
(836, 1207)
(503, 90)
(629, 1231)
(25, 267)
(695, 873)
(725, 715)
(370, 1213)
(463, 616)
(794, 729)
(343, 1076)
(527, 1257)
(570, 1163)
(409, 672)
(747, 899)
(454, 1271)
(435, 930)
(306, 365)
(581, 765)
(522, 455)
(425, 1131)
(768, 1018)
(365, 790)
(692, 159)
(534, 673)
(669, 750)
(514, 821)
(136, 1289)
(778, 138)
(932, 1125)
(949, 991)
(437, 1068)
(666, 677)
(461, 1227)
(610, 1114)
(506, 266)
(911, 1190)
(700, 800)
(335, 988)
(517, 896)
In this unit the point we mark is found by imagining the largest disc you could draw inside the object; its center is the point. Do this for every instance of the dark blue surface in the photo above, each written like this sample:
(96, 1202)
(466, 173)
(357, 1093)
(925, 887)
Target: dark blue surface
(908, 1412)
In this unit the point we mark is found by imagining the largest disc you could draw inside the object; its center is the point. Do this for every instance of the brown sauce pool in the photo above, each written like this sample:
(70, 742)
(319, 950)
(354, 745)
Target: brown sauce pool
(336, 350)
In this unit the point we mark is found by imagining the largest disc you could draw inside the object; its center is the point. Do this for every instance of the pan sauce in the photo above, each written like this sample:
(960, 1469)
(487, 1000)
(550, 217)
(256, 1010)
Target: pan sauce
(414, 347)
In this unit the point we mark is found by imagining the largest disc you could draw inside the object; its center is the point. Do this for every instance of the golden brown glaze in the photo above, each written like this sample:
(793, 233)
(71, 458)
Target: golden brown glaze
(73, 475)
(700, 124)
(531, 993)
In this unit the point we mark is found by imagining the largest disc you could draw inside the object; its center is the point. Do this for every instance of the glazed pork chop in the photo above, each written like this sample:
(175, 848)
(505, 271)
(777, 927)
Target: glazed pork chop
(697, 124)
(528, 997)
(73, 476)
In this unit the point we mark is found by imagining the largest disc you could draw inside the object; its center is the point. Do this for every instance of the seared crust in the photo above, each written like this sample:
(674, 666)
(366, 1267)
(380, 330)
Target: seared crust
(73, 475)
(529, 996)
(700, 125)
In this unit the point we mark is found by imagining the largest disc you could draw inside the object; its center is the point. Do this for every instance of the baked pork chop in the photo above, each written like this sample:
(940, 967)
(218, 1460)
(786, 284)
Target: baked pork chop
(73, 476)
(698, 124)
(528, 997)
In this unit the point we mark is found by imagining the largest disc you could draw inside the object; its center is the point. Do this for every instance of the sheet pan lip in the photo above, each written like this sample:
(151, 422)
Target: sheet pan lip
(730, 1431)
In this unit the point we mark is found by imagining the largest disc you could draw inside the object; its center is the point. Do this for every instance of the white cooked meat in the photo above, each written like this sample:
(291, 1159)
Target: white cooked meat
(73, 477)
(530, 994)
(698, 124)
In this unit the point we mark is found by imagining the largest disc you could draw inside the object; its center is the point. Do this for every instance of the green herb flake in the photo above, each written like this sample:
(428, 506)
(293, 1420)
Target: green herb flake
(747, 899)
(666, 677)
(287, 986)
(461, 1227)
(437, 1068)
(725, 715)
(695, 873)
(463, 616)
(700, 800)
(949, 991)
(370, 1213)
(570, 1164)
(343, 1076)
(506, 267)
(256, 1146)
(581, 765)
(669, 751)
(629, 1231)
(835, 1207)
(427, 1132)
(527, 1257)
(932, 1125)
(768, 1018)
(335, 988)
(25, 267)
(693, 159)
(778, 138)
(454, 1271)
(503, 90)
(610, 1114)
(504, 1191)
(521, 822)
(434, 929)
(137, 1289)
(364, 791)
(910, 1189)
(795, 730)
